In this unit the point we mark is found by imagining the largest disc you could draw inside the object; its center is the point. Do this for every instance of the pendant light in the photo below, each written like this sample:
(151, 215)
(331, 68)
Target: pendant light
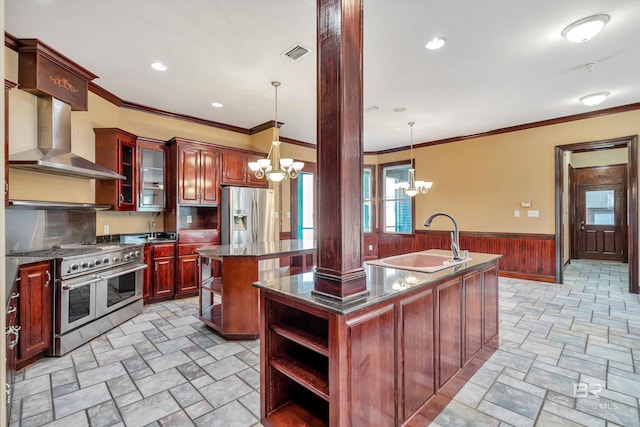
(413, 187)
(273, 167)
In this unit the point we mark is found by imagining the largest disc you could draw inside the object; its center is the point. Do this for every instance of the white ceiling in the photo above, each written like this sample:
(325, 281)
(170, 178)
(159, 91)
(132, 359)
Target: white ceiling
(504, 63)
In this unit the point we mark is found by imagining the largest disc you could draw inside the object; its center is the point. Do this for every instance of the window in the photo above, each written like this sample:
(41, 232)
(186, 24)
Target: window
(306, 229)
(367, 200)
(397, 209)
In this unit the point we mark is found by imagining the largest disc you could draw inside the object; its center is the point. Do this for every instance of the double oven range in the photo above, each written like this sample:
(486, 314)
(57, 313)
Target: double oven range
(96, 288)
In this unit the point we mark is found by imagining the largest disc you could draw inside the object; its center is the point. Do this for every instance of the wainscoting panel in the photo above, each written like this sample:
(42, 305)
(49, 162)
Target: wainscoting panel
(524, 256)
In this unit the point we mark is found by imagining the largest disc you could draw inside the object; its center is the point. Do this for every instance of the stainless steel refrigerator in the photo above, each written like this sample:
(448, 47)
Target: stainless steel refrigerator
(247, 215)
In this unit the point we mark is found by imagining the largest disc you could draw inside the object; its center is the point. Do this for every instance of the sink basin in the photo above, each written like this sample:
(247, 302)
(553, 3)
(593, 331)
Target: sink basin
(420, 261)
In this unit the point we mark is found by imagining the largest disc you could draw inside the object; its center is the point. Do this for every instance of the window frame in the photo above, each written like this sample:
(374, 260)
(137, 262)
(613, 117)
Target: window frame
(373, 200)
(381, 200)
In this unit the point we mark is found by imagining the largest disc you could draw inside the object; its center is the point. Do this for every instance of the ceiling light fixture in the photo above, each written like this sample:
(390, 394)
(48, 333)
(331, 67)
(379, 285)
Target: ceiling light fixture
(435, 43)
(158, 66)
(216, 104)
(413, 187)
(585, 29)
(273, 167)
(594, 98)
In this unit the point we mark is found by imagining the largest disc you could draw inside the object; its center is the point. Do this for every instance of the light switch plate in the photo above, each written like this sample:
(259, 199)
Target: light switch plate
(189, 219)
(533, 213)
(105, 229)
(516, 213)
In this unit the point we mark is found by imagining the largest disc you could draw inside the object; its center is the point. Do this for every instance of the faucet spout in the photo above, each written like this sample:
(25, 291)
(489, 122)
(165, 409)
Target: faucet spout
(455, 235)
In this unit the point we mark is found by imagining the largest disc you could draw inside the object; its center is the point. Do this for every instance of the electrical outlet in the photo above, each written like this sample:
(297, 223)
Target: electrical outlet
(105, 229)
(370, 247)
(189, 219)
(288, 214)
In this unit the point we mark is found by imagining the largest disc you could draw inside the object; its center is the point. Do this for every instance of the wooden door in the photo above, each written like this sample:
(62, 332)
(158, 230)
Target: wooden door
(209, 176)
(600, 223)
(188, 274)
(164, 269)
(234, 168)
(35, 309)
(188, 175)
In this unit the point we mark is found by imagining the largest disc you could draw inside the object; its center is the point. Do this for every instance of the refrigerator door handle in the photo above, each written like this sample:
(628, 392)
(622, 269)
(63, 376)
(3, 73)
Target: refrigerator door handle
(254, 214)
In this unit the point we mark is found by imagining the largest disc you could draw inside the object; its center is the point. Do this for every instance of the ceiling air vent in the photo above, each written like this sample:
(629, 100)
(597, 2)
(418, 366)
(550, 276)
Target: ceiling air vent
(296, 52)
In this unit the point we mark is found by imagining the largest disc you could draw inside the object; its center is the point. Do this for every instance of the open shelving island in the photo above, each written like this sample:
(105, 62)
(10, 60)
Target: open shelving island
(229, 302)
(393, 357)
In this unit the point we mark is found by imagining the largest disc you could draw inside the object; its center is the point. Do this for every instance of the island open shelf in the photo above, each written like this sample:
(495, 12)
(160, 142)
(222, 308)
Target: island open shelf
(388, 358)
(229, 303)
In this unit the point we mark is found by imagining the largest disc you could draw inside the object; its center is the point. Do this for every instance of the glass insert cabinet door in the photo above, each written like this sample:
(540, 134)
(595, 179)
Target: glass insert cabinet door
(152, 178)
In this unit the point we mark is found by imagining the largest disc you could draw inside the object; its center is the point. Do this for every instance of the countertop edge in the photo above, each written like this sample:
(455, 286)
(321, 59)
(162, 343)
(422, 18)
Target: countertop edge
(350, 306)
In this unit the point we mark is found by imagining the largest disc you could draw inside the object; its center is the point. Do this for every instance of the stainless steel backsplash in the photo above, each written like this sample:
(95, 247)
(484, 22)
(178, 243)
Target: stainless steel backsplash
(32, 230)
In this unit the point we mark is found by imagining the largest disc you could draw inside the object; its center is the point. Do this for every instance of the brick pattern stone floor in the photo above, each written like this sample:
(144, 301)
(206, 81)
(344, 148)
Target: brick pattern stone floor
(569, 356)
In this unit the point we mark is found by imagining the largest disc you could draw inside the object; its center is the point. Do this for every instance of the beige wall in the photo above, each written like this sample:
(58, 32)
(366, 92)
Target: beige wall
(613, 156)
(483, 180)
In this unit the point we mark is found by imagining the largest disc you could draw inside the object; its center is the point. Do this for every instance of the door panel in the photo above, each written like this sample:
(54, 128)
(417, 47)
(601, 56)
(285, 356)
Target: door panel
(600, 222)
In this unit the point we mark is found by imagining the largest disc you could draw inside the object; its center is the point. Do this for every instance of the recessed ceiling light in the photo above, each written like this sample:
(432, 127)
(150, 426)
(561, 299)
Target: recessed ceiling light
(158, 66)
(435, 43)
(594, 98)
(399, 110)
(372, 109)
(585, 28)
(216, 104)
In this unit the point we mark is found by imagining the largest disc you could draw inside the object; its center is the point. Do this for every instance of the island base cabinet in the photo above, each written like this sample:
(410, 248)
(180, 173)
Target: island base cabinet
(382, 365)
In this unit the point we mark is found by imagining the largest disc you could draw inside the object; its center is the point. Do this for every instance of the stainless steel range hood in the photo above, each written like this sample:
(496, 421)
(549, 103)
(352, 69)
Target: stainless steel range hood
(53, 152)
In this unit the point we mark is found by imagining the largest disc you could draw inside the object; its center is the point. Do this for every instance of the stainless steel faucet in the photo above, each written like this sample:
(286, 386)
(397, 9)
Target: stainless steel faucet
(455, 236)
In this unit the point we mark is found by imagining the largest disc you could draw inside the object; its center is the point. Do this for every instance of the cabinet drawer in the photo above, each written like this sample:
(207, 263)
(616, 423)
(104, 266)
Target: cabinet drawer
(191, 249)
(164, 250)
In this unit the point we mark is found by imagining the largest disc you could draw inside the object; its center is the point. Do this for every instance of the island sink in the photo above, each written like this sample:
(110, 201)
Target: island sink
(420, 261)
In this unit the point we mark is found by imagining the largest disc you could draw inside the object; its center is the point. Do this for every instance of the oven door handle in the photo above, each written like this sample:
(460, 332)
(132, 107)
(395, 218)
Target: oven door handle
(123, 271)
(68, 287)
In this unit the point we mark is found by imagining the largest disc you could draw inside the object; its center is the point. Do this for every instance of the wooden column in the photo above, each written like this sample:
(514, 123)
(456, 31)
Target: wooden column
(339, 272)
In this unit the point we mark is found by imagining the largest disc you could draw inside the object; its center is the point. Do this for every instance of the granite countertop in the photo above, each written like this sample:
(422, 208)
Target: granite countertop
(261, 249)
(383, 283)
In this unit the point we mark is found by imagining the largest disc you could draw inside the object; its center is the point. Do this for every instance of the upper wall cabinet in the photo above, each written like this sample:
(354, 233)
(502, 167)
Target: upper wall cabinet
(235, 169)
(151, 175)
(198, 173)
(116, 150)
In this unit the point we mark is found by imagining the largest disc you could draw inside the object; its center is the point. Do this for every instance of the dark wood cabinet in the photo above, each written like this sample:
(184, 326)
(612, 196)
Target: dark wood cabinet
(472, 290)
(416, 351)
(198, 174)
(449, 320)
(116, 150)
(35, 310)
(151, 175)
(235, 169)
(188, 279)
(163, 283)
(147, 275)
(390, 361)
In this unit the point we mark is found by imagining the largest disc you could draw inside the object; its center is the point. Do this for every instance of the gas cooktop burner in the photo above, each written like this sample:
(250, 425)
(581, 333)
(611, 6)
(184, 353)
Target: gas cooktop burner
(73, 260)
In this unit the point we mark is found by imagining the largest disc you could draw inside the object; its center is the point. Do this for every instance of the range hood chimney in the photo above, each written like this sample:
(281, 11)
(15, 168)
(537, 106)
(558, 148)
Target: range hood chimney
(53, 152)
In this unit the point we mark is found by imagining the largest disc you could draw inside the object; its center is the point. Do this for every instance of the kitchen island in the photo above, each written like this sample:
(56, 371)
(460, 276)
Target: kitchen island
(229, 302)
(392, 357)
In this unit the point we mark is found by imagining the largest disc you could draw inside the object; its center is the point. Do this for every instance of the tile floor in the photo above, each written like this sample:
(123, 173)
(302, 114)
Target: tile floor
(569, 356)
